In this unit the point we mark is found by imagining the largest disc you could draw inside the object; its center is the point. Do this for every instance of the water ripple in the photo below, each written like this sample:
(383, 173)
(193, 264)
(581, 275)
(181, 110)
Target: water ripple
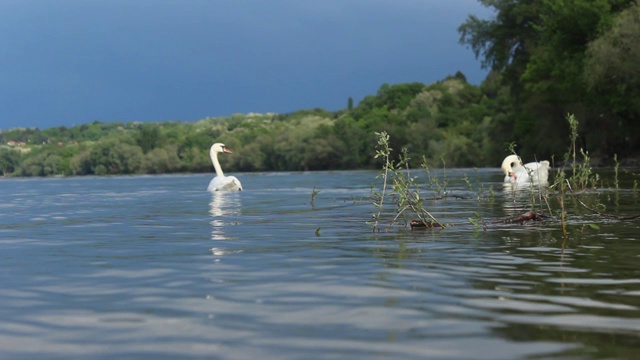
(148, 267)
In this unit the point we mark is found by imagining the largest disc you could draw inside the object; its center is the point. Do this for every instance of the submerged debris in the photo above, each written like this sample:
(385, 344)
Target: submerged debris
(525, 217)
(419, 224)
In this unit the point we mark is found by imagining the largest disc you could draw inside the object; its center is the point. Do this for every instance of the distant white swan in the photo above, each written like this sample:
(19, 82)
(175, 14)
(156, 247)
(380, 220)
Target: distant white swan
(536, 173)
(221, 182)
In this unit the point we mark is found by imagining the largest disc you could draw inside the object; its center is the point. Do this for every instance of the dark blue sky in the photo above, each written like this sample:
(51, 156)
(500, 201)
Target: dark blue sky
(70, 62)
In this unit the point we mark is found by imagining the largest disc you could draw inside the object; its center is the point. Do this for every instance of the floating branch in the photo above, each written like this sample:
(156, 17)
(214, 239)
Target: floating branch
(420, 224)
(528, 216)
(611, 216)
(442, 197)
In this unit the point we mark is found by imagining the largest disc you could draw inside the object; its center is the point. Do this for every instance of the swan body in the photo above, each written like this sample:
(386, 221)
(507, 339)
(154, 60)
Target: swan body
(222, 182)
(536, 173)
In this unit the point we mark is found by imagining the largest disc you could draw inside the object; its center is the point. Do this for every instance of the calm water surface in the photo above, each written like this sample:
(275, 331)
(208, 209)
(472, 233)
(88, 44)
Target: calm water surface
(156, 267)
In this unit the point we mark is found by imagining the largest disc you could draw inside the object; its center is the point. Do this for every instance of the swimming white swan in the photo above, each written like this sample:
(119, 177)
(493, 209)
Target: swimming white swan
(536, 173)
(221, 182)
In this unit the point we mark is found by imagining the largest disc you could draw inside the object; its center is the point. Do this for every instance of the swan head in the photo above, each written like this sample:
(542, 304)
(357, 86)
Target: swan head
(509, 163)
(219, 148)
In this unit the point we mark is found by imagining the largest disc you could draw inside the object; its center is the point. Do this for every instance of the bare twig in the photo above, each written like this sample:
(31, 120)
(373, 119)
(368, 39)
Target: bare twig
(611, 216)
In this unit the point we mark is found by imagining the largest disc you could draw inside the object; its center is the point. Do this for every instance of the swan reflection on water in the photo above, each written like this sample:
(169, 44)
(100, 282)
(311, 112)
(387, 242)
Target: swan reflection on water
(519, 197)
(524, 188)
(223, 209)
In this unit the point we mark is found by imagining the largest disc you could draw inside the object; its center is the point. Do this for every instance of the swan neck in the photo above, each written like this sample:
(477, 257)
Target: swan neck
(506, 164)
(216, 163)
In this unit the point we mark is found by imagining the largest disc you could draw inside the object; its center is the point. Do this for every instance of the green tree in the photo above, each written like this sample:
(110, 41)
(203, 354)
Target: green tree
(194, 159)
(160, 161)
(612, 76)
(52, 165)
(504, 43)
(324, 153)
(562, 35)
(41, 163)
(354, 139)
(539, 48)
(149, 137)
(613, 58)
(114, 157)
(9, 161)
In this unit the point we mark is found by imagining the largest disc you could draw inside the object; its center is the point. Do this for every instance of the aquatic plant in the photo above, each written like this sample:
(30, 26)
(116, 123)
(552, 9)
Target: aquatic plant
(314, 193)
(615, 169)
(382, 151)
(402, 190)
(435, 185)
(582, 176)
(400, 186)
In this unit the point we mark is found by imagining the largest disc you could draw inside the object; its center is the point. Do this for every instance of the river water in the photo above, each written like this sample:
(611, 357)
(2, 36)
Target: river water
(156, 267)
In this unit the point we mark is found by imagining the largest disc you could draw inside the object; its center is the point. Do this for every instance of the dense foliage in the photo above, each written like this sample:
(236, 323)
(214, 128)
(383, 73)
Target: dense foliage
(547, 58)
(565, 56)
(443, 120)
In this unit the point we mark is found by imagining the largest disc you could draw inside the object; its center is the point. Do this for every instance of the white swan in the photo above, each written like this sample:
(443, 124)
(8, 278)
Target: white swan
(536, 173)
(221, 182)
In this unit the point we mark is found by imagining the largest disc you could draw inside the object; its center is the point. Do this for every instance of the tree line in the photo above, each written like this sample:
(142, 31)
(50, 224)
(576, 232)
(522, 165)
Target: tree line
(440, 121)
(546, 59)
